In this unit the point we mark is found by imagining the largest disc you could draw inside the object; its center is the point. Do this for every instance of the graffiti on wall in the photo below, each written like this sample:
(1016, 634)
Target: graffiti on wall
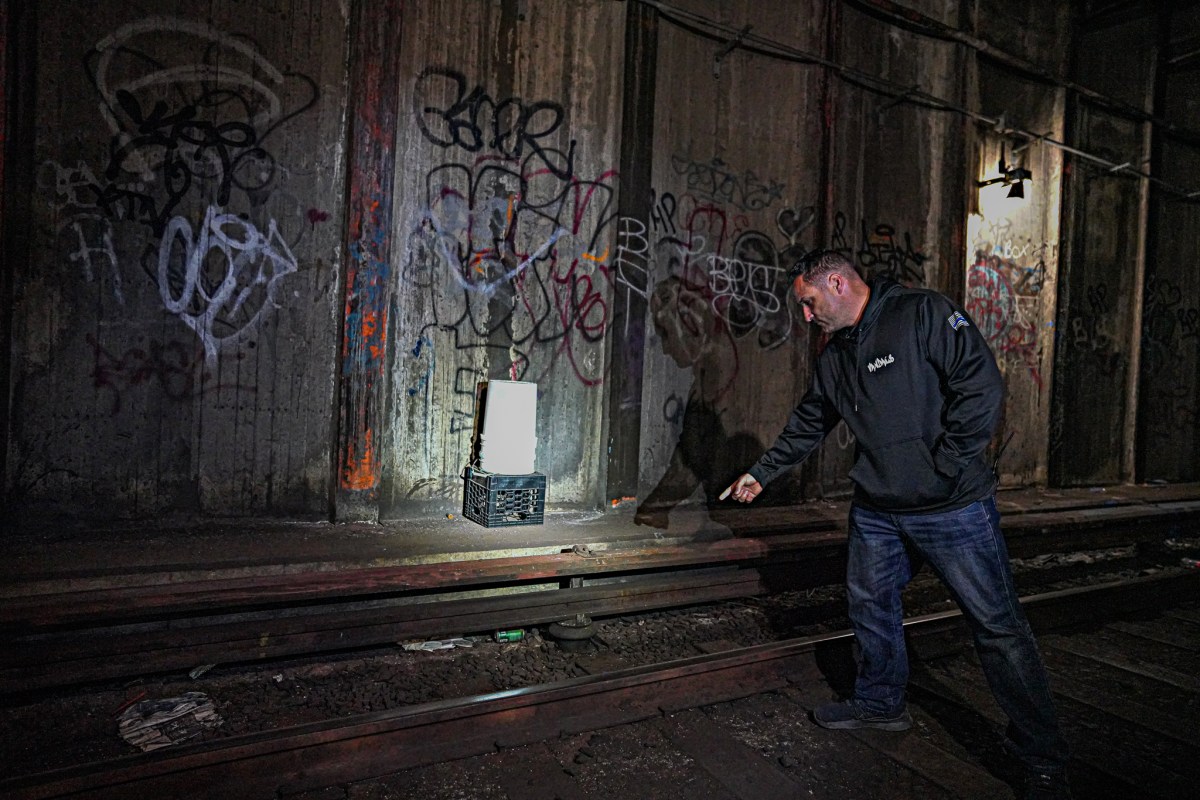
(189, 129)
(631, 265)
(221, 278)
(497, 248)
(518, 250)
(175, 369)
(716, 182)
(714, 270)
(1003, 285)
(717, 253)
(881, 251)
(84, 234)
(1092, 334)
(1170, 335)
(510, 237)
(994, 305)
(1020, 259)
(191, 195)
(716, 250)
(510, 127)
(513, 246)
(1093, 349)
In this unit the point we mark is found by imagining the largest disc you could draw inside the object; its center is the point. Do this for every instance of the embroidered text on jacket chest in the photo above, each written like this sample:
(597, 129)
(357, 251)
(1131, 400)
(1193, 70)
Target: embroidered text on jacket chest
(880, 362)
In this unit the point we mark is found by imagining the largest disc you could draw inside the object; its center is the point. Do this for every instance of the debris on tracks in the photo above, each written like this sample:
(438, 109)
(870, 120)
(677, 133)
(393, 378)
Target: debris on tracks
(151, 724)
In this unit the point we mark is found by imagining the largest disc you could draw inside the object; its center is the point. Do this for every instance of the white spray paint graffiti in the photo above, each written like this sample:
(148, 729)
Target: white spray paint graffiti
(631, 265)
(209, 76)
(84, 232)
(253, 264)
(498, 245)
(96, 242)
(67, 184)
(633, 251)
(189, 108)
(748, 287)
(453, 221)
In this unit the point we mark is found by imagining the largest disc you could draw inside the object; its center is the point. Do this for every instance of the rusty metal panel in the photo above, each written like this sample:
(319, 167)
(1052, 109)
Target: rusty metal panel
(505, 221)
(1012, 263)
(1029, 29)
(896, 170)
(735, 181)
(1100, 284)
(8, 96)
(174, 330)
(893, 157)
(1168, 434)
(1096, 321)
(18, 57)
(627, 360)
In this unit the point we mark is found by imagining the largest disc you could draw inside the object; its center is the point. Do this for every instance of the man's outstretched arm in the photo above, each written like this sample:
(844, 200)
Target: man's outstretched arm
(806, 427)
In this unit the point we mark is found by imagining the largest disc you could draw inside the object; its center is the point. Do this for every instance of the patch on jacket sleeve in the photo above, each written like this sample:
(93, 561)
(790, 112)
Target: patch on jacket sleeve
(957, 320)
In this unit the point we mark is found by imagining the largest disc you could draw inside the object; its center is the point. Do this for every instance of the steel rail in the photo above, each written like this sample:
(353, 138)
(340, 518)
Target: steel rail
(43, 604)
(64, 638)
(27, 608)
(63, 658)
(359, 748)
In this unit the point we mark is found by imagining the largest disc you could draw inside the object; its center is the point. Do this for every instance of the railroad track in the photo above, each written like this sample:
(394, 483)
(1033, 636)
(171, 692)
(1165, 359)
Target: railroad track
(353, 749)
(59, 633)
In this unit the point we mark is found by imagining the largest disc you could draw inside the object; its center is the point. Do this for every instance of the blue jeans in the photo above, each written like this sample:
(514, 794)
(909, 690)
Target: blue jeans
(967, 552)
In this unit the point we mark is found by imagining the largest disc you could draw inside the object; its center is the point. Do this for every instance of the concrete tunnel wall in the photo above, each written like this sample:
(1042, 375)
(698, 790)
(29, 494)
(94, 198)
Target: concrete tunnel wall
(259, 256)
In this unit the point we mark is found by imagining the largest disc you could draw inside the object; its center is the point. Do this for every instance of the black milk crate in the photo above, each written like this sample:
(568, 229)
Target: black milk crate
(495, 500)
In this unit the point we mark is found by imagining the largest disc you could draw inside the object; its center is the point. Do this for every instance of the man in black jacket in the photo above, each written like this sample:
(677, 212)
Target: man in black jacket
(918, 387)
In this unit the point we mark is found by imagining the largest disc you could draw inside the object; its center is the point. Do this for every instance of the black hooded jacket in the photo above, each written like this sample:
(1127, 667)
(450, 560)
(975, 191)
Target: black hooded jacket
(918, 388)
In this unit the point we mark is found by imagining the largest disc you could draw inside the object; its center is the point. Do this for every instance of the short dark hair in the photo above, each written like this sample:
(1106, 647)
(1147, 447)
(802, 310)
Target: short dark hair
(817, 263)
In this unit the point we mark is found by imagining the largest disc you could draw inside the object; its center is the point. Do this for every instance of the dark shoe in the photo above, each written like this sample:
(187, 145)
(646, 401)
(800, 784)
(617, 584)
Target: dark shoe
(846, 715)
(1046, 785)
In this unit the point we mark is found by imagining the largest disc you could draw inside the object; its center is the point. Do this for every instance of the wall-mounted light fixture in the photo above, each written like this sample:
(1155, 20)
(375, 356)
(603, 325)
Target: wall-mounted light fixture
(1011, 176)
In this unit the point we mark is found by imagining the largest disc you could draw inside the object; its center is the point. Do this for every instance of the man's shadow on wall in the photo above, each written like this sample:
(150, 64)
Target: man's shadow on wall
(710, 453)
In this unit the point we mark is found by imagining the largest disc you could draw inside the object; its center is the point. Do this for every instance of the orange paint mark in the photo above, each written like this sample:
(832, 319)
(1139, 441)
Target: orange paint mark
(360, 472)
(597, 259)
(369, 324)
(479, 260)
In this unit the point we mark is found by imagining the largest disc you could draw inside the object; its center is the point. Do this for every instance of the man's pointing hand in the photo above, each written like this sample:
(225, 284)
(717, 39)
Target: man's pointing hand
(744, 489)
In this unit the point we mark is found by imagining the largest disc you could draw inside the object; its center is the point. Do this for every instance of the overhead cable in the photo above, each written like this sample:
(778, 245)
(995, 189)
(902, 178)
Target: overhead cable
(743, 39)
(896, 15)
